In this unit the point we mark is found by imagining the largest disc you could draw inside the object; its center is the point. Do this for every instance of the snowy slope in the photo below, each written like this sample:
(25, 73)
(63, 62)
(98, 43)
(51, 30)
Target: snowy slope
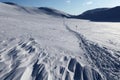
(39, 46)
(20, 10)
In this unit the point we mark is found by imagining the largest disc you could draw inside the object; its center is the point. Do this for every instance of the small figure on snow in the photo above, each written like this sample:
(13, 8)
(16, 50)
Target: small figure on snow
(76, 26)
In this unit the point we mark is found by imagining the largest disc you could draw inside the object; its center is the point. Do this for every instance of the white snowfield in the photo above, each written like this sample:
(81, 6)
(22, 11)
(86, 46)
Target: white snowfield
(38, 46)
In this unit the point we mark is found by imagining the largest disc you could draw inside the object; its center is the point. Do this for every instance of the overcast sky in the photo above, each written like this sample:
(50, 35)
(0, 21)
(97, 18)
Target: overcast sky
(69, 6)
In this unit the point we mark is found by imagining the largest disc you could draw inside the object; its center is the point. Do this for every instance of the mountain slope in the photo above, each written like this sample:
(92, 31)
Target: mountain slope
(102, 14)
(14, 8)
(51, 11)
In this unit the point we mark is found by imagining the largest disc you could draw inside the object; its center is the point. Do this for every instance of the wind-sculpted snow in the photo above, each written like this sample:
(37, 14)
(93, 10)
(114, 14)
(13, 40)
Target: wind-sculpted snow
(101, 57)
(28, 61)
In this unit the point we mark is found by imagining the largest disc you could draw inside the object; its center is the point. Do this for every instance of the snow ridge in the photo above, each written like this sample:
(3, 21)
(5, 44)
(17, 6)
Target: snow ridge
(27, 60)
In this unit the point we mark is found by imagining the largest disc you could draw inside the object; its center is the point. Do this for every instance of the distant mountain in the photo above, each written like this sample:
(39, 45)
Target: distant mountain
(35, 10)
(101, 14)
(51, 11)
(10, 3)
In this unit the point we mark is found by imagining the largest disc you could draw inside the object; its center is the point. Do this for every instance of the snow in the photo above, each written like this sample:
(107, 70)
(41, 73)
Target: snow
(39, 46)
(27, 74)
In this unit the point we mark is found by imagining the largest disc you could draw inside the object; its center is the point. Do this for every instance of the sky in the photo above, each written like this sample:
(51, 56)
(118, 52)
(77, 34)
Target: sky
(74, 7)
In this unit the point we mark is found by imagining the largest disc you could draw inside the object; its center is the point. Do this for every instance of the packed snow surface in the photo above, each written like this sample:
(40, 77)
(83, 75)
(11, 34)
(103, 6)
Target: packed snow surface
(38, 46)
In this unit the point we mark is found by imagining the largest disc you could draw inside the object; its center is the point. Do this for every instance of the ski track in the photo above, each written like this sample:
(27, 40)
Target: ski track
(101, 57)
